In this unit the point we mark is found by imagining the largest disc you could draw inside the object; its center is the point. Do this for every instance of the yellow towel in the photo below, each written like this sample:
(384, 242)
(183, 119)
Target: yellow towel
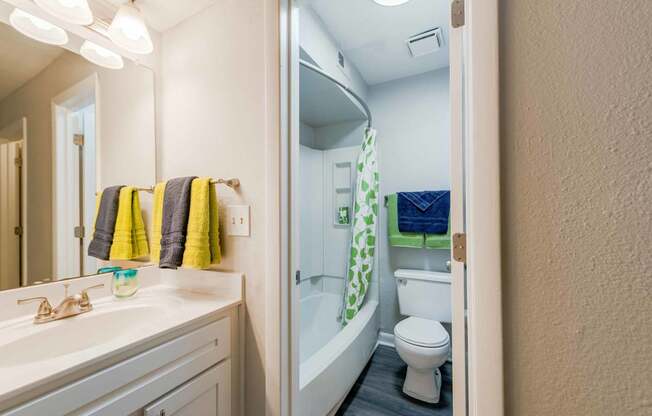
(157, 221)
(129, 238)
(202, 240)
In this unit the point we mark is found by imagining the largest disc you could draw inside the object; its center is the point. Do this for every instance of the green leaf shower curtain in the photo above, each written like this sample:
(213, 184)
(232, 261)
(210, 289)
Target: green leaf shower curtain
(365, 216)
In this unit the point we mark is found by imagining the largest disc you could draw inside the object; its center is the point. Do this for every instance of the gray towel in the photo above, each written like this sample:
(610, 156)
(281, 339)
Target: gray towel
(176, 207)
(100, 245)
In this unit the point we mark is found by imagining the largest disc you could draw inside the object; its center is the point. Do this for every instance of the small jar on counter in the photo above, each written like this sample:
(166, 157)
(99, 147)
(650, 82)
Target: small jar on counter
(125, 283)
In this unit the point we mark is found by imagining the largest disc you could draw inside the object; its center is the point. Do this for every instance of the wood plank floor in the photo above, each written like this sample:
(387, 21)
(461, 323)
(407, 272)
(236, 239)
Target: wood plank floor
(379, 390)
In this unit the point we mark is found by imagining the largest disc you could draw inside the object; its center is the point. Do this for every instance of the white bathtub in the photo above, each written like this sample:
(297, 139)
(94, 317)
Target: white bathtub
(332, 357)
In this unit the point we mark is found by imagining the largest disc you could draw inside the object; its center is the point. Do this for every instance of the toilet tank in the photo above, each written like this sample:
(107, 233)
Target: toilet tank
(424, 294)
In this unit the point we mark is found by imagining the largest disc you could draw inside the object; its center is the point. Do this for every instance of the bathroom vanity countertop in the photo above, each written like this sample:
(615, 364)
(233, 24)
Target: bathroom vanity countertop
(32, 356)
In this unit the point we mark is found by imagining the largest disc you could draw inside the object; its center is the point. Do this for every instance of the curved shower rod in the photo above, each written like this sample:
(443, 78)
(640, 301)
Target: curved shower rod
(341, 84)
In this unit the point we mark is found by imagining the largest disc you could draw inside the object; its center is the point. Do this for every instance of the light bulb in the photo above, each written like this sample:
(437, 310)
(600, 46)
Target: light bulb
(37, 28)
(101, 56)
(391, 2)
(128, 30)
(73, 11)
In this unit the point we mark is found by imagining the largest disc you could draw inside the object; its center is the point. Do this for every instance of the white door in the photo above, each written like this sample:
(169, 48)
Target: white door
(75, 190)
(458, 220)
(10, 218)
(66, 210)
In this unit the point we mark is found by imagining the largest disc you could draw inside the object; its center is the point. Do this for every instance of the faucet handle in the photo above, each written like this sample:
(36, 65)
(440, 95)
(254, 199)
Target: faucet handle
(85, 301)
(44, 309)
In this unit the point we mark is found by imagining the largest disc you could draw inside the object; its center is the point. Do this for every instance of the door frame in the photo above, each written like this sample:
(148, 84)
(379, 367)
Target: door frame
(21, 125)
(485, 387)
(89, 89)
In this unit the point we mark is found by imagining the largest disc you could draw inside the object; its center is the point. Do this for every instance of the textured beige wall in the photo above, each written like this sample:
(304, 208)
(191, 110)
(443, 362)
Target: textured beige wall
(576, 104)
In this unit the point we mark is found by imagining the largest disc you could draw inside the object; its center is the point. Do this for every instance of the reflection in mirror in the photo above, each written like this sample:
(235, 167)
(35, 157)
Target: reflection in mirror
(68, 128)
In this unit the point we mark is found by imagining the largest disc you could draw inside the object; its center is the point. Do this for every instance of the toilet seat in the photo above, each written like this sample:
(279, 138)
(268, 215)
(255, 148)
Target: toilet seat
(422, 332)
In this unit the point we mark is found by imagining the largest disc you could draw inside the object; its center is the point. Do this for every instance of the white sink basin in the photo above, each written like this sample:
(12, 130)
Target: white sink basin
(106, 324)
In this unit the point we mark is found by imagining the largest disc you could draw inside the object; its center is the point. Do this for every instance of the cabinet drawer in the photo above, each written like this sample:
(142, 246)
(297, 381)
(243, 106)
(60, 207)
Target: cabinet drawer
(131, 384)
(207, 394)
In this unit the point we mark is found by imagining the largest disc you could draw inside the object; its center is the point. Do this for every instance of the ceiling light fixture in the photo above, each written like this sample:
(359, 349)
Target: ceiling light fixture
(101, 56)
(72, 11)
(37, 28)
(391, 2)
(128, 30)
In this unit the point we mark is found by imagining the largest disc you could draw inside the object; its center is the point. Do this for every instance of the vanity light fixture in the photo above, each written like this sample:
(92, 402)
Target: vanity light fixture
(37, 28)
(391, 2)
(128, 30)
(72, 11)
(101, 56)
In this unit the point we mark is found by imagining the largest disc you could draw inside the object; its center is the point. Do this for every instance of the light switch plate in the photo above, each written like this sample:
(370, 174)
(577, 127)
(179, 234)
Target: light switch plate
(238, 220)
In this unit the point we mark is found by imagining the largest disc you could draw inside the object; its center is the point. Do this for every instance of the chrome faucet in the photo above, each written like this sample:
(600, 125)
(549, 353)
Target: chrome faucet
(69, 306)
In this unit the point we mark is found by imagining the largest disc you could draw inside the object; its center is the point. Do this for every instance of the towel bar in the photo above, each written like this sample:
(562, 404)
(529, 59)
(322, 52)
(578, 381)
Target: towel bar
(233, 183)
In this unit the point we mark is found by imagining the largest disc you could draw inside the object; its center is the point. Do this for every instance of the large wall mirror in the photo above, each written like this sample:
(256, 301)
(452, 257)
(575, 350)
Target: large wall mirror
(68, 128)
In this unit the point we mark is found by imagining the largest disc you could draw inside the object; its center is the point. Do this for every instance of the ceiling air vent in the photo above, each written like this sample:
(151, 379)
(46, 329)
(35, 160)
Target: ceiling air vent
(426, 42)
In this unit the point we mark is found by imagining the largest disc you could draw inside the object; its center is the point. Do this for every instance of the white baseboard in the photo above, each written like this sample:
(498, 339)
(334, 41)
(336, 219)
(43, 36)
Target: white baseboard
(387, 339)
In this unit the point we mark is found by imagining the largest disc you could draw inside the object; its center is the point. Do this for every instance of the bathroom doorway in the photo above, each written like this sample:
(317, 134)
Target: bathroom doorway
(12, 215)
(468, 152)
(74, 164)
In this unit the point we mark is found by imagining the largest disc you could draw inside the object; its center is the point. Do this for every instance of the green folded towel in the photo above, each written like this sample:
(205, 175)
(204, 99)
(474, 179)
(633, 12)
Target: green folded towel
(439, 241)
(397, 238)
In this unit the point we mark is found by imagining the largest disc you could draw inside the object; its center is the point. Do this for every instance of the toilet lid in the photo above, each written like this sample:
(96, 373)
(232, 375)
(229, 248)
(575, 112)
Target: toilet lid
(421, 332)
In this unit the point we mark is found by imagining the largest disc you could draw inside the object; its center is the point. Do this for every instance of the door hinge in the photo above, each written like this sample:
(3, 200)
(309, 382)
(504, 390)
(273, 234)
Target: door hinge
(457, 13)
(78, 139)
(459, 247)
(80, 232)
(297, 277)
(18, 231)
(18, 161)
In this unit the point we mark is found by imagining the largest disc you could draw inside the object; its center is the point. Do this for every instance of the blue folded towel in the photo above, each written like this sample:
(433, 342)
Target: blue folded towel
(424, 212)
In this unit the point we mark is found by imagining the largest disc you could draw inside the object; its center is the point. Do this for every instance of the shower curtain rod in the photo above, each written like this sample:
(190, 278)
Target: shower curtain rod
(341, 84)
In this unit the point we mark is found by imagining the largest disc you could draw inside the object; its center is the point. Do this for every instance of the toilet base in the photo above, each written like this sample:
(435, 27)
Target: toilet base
(423, 385)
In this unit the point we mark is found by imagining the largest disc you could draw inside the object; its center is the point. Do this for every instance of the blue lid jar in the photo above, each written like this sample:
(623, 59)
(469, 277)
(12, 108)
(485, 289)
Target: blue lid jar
(125, 283)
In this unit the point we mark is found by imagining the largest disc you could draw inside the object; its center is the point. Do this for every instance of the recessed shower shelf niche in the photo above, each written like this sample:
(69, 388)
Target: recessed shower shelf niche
(342, 194)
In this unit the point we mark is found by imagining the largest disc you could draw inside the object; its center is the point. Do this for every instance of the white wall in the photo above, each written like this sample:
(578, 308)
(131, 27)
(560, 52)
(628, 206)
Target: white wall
(411, 116)
(311, 212)
(335, 136)
(213, 119)
(307, 136)
(322, 49)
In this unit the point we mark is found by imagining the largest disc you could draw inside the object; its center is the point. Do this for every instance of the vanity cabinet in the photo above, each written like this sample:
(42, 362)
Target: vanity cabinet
(189, 374)
(206, 394)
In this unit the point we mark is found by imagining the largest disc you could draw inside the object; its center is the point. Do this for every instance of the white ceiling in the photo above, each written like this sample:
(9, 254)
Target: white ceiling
(162, 15)
(373, 37)
(21, 59)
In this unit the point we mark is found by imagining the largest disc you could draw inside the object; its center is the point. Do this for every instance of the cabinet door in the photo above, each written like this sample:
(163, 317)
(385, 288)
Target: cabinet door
(208, 394)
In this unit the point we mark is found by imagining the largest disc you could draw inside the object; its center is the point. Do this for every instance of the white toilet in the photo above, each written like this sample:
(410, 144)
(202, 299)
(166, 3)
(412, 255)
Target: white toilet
(421, 341)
